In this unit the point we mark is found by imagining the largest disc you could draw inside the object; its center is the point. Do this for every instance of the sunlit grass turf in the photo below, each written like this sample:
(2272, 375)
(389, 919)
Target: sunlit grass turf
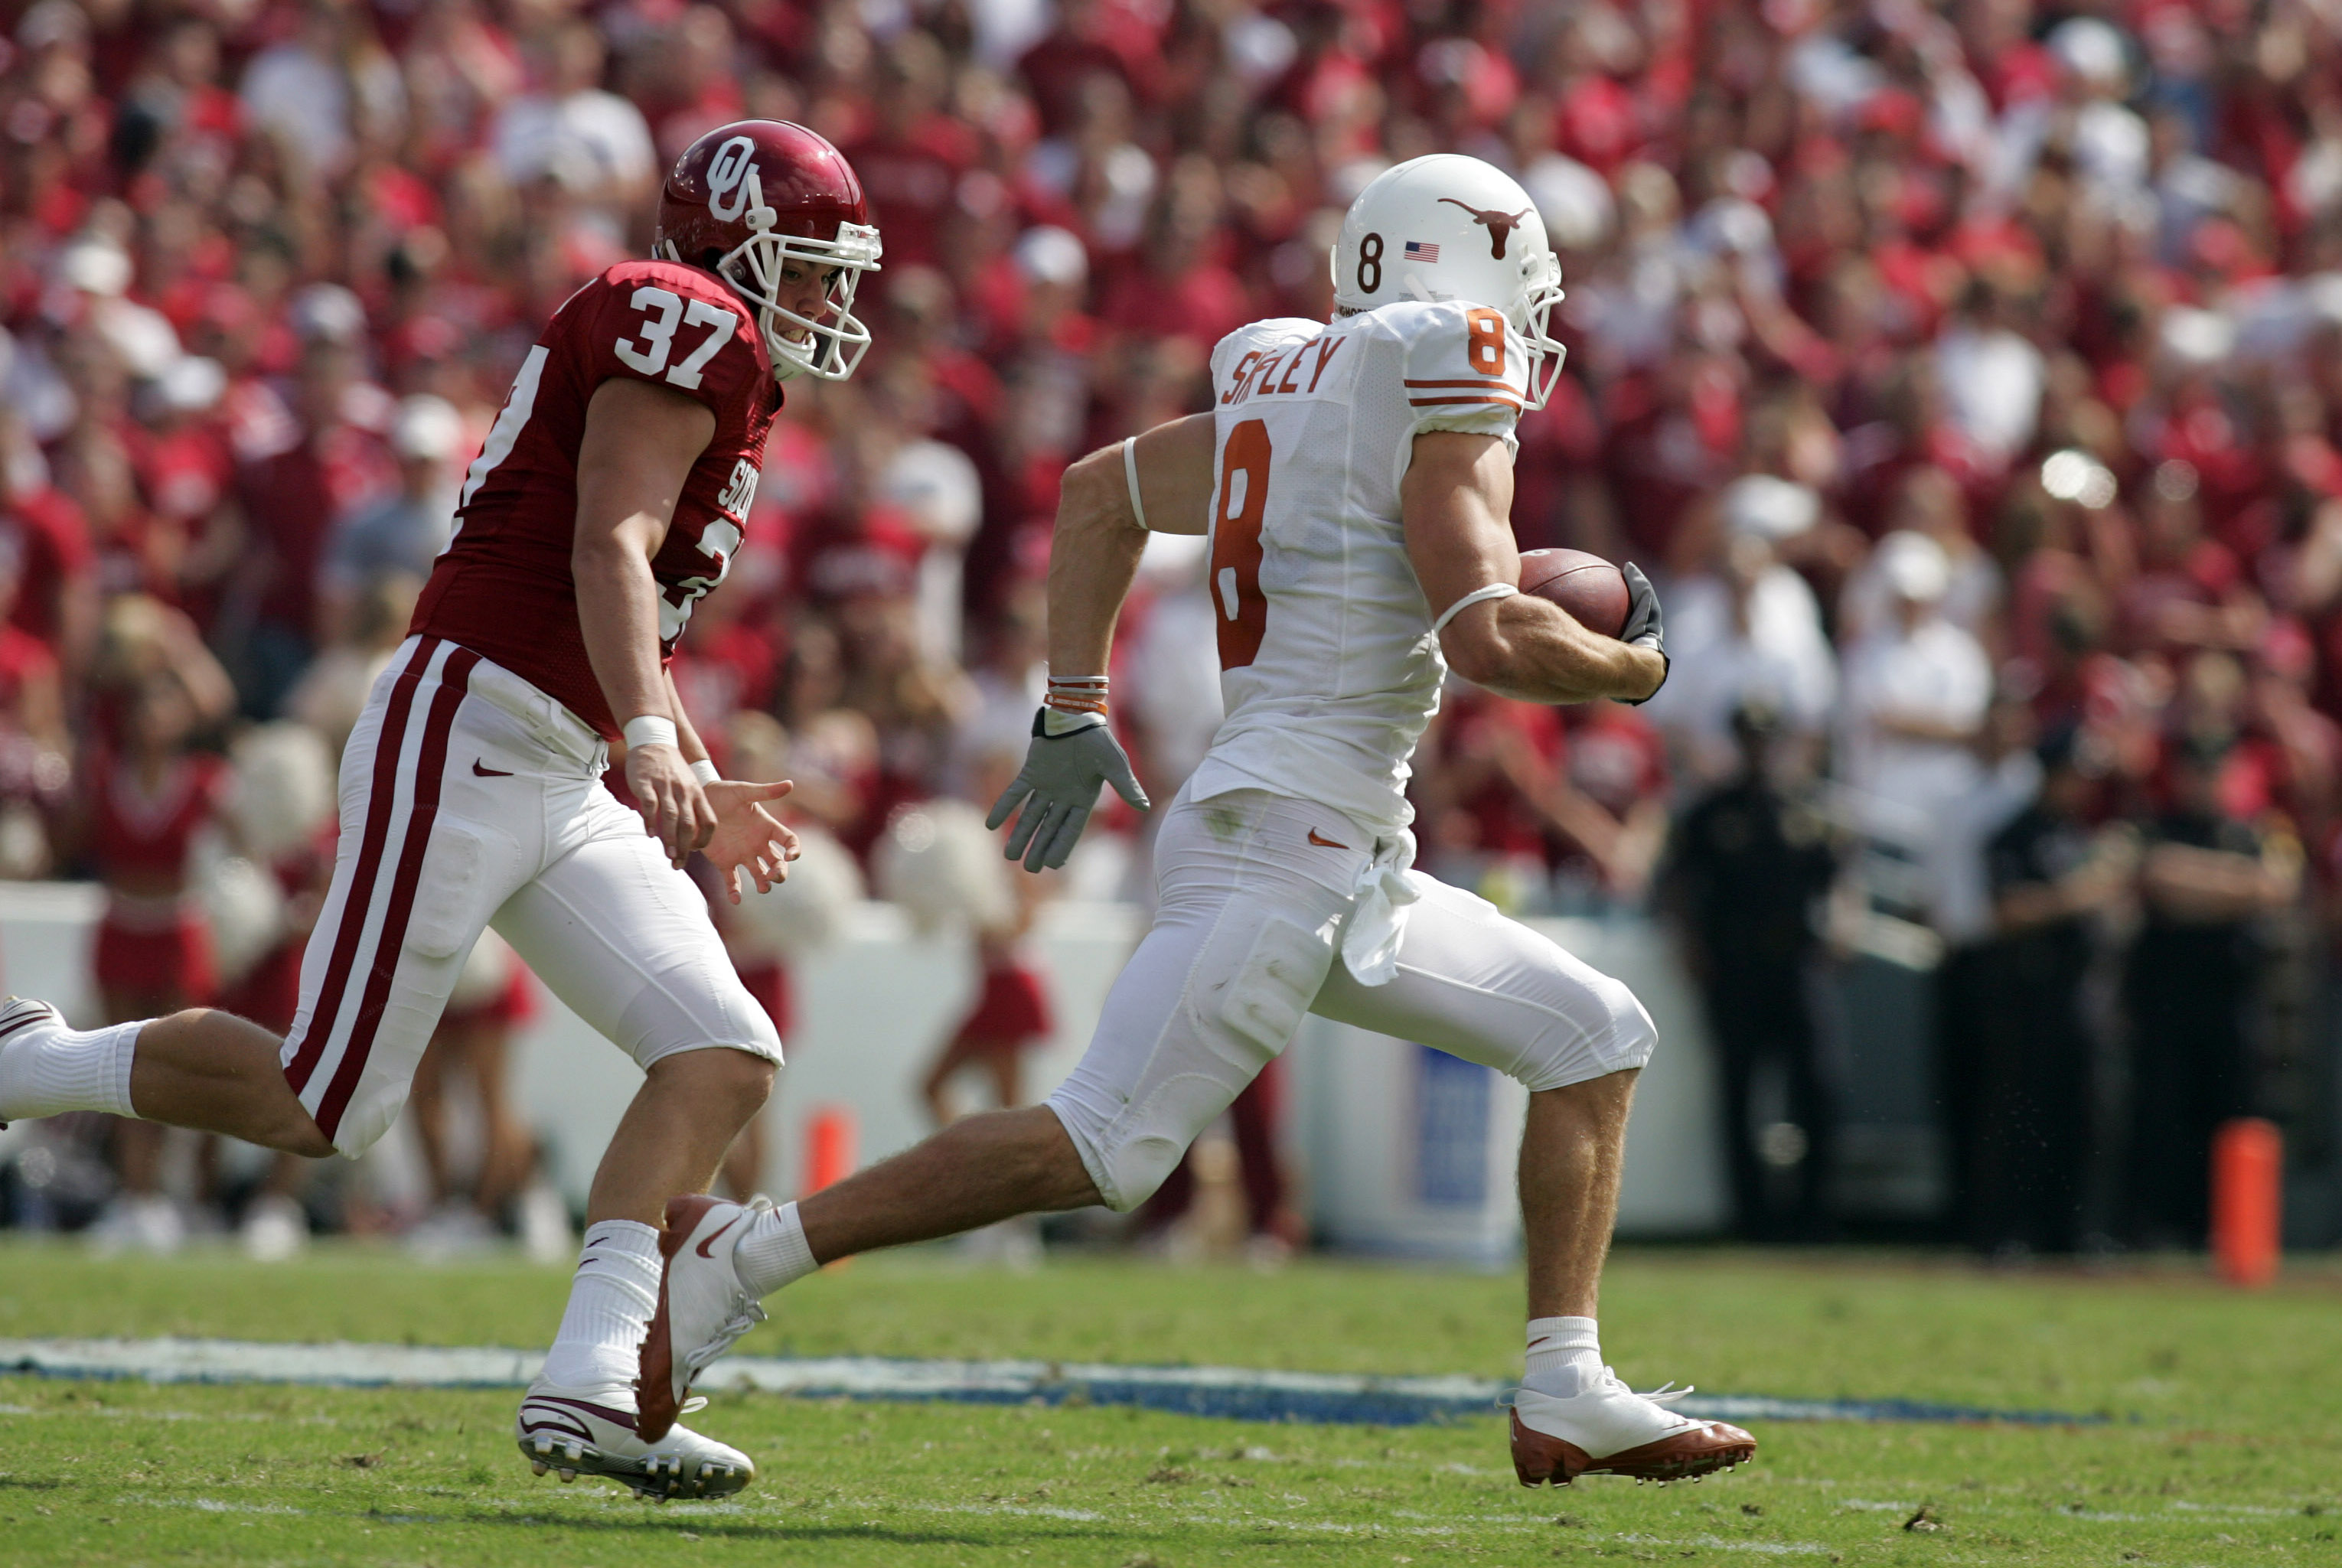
(2223, 1450)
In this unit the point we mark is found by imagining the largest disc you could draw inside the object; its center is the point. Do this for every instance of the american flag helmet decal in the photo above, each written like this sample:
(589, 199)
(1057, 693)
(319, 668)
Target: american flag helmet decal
(1418, 251)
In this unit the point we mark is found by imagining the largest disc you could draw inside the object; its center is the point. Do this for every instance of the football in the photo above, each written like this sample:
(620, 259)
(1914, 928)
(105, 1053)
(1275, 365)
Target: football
(1591, 589)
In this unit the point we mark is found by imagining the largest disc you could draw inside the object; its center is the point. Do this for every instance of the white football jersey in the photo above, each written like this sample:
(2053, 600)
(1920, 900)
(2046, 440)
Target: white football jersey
(1327, 666)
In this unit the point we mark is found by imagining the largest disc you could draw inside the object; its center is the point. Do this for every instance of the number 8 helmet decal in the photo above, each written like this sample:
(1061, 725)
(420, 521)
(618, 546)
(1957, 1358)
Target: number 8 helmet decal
(1449, 227)
(746, 200)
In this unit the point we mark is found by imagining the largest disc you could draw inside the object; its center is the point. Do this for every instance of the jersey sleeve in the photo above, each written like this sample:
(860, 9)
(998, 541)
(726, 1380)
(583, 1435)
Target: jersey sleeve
(671, 329)
(1224, 354)
(1464, 368)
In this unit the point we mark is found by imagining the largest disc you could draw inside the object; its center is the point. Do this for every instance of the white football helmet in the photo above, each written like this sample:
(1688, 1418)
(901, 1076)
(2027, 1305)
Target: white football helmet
(1447, 226)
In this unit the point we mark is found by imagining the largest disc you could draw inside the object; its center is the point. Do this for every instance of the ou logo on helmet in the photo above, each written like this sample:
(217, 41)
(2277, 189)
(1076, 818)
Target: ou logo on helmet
(734, 186)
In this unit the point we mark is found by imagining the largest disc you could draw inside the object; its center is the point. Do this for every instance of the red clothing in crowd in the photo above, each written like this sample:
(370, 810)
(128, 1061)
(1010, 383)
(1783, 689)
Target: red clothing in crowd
(53, 544)
(23, 658)
(154, 945)
(912, 181)
(292, 499)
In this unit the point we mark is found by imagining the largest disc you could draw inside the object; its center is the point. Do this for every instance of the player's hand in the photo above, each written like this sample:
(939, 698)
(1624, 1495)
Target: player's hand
(674, 808)
(1057, 786)
(748, 837)
(1645, 628)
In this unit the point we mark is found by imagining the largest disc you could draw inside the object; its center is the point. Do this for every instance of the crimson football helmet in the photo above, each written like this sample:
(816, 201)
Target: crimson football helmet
(747, 199)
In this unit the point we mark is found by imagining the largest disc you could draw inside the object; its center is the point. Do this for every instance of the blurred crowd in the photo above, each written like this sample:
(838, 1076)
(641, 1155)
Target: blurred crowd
(1968, 373)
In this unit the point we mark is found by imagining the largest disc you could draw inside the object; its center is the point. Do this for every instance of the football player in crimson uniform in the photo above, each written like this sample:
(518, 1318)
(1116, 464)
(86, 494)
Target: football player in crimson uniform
(609, 497)
(1357, 479)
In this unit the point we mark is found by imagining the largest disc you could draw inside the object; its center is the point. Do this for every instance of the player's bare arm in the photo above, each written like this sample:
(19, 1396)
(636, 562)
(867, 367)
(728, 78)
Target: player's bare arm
(1107, 503)
(1456, 502)
(640, 443)
(748, 836)
(696, 755)
(1101, 532)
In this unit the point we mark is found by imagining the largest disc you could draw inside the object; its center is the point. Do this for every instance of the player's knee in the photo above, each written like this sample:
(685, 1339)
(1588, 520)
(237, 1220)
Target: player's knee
(1598, 1089)
(745, 1076)
(1107, 1152)
(736, 1075)
(1130, 1155)
(1140, 1166)
(1565, 1056)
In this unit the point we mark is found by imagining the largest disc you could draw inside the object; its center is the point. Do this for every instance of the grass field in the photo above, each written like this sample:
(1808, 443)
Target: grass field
(2223, 1447)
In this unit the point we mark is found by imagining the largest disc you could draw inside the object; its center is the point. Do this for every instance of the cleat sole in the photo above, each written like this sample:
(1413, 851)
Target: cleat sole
(1539, 1459)
(660, 1478)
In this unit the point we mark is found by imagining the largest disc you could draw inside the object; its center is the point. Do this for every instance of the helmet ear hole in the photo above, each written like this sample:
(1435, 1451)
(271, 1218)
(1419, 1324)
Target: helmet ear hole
(708, 260)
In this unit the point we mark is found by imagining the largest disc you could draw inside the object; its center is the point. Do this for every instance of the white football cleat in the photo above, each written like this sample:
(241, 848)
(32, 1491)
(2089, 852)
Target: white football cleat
(703, 1307)
(1607, 1428)
(22, 1020)
(591, 1431)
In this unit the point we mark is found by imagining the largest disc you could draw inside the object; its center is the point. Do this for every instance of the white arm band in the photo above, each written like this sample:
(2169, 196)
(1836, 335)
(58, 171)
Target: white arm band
(650, 730)
(1476, 596)
(1130, 473)
(704, 772)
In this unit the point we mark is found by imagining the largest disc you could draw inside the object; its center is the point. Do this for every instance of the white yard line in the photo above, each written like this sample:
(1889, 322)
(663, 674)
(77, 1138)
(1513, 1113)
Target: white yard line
(1239, 1393)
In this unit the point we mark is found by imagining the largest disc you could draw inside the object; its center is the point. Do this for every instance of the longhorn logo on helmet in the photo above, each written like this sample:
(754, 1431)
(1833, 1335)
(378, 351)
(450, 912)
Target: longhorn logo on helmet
(1499, 224)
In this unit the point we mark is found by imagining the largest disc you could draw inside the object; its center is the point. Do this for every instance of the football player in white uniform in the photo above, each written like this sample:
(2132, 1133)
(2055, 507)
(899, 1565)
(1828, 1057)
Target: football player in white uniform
(1356, 481)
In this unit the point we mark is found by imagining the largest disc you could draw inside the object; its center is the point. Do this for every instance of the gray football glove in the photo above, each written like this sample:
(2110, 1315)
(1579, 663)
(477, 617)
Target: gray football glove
(1644, 627)
(1057, 786)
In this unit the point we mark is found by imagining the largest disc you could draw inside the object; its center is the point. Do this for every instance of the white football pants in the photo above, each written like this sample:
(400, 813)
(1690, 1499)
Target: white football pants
(471, 798)
(1254, 889)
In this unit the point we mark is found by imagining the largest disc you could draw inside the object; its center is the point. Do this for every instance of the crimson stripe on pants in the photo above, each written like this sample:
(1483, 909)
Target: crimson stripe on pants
(357, 899)
(430, 764)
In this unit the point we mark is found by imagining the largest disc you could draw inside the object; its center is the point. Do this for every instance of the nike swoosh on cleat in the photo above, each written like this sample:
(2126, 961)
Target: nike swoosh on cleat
(1324, 843)
(710, 1239)
(490, 772)
(614, 1417)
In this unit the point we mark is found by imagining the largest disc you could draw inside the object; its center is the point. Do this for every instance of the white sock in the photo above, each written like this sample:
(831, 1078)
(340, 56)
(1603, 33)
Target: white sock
(1564, 1356)
(774, 1253)
(65, 1070)
(610, 1306)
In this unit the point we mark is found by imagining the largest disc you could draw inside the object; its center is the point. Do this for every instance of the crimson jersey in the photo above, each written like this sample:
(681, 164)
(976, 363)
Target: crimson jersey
(503, 588)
